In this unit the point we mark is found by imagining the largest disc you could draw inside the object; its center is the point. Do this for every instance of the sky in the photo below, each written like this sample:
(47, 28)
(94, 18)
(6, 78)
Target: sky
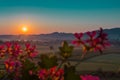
(47, 16)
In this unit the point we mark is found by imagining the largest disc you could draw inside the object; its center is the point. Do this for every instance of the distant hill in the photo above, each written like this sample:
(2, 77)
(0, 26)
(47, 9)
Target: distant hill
(41, 37)
(114, 31)
(113, 34)
(57, 36)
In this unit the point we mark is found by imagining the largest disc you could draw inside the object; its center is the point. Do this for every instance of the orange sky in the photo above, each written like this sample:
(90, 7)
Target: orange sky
(38, 25)
(43, 29)
(47, 16)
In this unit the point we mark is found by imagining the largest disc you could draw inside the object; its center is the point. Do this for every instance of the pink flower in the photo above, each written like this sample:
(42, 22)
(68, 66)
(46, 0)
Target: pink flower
(17, 46)
(30, 72)
(51, 73)
(52, 70)
(59, 73)
(1, 47)
(16, 50)
(89, 77)
(91, 38)
(27, 45)
(9, 65)
(56, 74)
(12, 65)
(91, 34)
(78, 35)
(2, 51)
(42, 74)
(94, 44)
(78, 40)
(9, 46)
(32, 55)
(99, 42)
(103, 40)
(31, 50)
(18, 64)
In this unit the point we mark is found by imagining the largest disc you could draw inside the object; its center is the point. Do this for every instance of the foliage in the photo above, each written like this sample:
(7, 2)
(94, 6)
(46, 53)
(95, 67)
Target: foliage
(66, 50)
(28, 66)
(20, 64)
(48, 61)
(70, 73)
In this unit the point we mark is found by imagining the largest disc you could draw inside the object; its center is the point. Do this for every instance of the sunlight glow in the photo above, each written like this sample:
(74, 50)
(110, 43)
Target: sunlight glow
(24, 29)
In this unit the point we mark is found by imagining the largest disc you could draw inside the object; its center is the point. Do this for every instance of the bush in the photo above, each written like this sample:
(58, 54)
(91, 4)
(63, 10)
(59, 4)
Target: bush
(20, 64)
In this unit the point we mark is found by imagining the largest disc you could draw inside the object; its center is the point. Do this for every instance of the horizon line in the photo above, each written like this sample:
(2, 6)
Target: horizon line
(54, 32)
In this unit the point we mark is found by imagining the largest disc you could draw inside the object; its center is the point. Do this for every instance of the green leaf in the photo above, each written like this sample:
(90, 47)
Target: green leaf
(27, 66)
(66, 50)
(48, 61)
(70, 73)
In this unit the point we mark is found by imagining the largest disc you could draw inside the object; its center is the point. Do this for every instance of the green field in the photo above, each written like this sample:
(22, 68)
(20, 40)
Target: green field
(107, 62)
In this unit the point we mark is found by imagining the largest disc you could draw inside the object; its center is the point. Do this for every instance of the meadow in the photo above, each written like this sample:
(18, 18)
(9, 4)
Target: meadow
(95, 63)
(108, 61)
(106, 64)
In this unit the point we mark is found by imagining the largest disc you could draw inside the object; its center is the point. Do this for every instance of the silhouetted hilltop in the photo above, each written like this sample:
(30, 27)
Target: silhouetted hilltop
(113, 31)
(113, 34)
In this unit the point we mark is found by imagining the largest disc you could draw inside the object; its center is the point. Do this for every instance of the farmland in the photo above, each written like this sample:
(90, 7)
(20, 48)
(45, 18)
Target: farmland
(93, 63)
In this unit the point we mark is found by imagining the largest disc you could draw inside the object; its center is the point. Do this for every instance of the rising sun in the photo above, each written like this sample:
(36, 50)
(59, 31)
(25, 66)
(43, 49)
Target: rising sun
(24, 29)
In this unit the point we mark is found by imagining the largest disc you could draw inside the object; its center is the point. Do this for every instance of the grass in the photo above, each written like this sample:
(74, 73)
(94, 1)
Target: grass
(109, 62)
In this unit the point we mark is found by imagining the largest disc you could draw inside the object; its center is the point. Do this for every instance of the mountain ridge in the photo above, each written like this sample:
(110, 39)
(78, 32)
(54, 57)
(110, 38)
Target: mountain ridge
(113, 33)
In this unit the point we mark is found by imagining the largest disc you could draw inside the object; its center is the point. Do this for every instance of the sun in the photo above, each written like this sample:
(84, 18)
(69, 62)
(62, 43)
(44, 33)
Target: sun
(24, 29)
